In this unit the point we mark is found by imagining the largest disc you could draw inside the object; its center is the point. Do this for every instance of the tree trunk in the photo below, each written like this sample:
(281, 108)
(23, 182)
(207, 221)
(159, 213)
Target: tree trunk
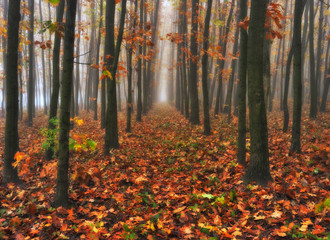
(241, 142)
(4, 43)
(258, 169)
(139, 83)
(313, 83)
(77, 78)
(319, 49)
(286, 90)
(43, 65)
(207, 127)
(218, 101)
(129, 75)
(97, 71)
(111, 128)
(62, 182)
(11, 130)
(297, 77)
(31, 85)
(56, 78)
(194, 103)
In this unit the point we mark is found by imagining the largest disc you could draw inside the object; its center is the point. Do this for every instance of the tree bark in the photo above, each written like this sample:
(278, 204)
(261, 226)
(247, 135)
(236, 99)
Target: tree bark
(194, 103)
(62, 182)
(258, 169)
(139, 83)
(56, 77)
(11, 130)
(111, 128)
(243, 49)
(207, 127)
(297, 77)
(313, 83)
(31, 85)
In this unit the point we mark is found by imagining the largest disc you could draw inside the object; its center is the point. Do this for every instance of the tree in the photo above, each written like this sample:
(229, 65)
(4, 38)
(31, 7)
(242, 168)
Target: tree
(31, 86)
(11, 130)
(111, 128)
(194, 104)
(56, 78)
(313, 83)
(241, 152)
(62, 182)
(297, 76)
(219, 97)
(207, 127)
(130, 72)
(258, 169)
(139, 83)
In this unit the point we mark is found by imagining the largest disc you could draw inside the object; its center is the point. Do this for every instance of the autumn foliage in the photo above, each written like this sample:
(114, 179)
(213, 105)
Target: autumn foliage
(169, 181)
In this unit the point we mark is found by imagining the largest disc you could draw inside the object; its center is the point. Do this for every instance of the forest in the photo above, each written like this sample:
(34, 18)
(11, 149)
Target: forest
(164, 119)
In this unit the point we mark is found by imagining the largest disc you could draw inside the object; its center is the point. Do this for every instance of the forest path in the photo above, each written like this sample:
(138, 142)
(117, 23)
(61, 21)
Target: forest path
(169, 181)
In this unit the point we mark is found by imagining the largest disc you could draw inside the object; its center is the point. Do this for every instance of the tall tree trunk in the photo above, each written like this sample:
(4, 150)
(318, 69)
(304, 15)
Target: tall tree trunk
(258, 169)
(56, 79)
(243, 49)
(218, 101)
(77, 77)
(129, 75)
(4, 43)
(97, 72)
(297, 77)
(43, 65)
(62, 182)
(286, 90)
(111, 128)
(11, 130)
(227, 108)
(139, 83)
(31, 85)
(319, 49)
(313, 83)
(194, 103)
(207, 127)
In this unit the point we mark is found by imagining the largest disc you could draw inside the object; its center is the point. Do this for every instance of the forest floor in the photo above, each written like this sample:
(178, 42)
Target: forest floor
(169, 181)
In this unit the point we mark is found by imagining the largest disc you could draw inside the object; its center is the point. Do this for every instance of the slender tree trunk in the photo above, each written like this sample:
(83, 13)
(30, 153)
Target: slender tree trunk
(62, 182)
(258, 169)
(319, 50)
(111, 128)
(4, 43)
(241, 142)
(77, 78)
(297, 77)
(56, 78)
(11, 130)
(43, 65)
(139, 83)
(207, 127)
(286, 90)
(194, 103)
(97, 72)
(218, 101)
(129, 76)
(313, 82)
(31, 85)
(228, 104)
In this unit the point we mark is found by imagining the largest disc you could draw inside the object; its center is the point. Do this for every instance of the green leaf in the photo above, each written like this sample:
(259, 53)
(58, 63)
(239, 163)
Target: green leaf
(207, 195)
(91, 144)
(54, 1)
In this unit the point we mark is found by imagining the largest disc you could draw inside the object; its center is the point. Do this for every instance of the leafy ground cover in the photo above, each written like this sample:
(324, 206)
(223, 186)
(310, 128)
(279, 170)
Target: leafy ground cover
(168, 181)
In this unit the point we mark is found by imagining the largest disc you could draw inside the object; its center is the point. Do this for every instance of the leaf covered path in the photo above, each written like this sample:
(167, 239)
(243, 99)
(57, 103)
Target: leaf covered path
(169, 181)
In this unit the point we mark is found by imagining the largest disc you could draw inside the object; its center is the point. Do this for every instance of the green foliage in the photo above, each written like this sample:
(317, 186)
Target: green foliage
(322, 205)
(51, 135)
